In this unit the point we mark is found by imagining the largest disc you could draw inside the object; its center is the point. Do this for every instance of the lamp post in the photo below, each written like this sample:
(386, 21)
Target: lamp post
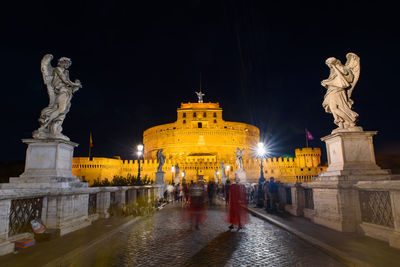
(139, 155)
(172, 173)
(261, 154)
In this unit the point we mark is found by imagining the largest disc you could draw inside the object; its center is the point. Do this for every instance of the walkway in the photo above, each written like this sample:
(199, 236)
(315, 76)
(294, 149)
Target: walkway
(166, 240)
(350, 248)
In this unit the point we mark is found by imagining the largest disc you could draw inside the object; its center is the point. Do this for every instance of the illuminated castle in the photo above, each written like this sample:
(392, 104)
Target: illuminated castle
(198, 141)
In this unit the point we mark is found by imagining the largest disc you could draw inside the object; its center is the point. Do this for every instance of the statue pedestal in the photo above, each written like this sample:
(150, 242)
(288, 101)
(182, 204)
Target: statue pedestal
(48, 174)
(162, 186)
(241, 174)
(48, 164)
(351, 159)
(223, 179)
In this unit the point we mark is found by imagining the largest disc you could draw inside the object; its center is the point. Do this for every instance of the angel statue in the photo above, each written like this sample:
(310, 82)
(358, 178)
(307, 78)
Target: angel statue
(161, 160)
(60, 90)
(239, 158)
(200, 96)
(340, 85)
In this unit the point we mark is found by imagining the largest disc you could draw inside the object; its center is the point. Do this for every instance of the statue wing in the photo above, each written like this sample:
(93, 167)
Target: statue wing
(353, 64)
(48, 75)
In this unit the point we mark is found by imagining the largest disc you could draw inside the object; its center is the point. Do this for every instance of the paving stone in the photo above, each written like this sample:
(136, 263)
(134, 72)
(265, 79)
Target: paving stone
(167, 240)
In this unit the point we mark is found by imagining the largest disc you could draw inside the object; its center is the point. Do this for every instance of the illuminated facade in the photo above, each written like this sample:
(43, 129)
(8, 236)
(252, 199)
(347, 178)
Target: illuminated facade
(198, 141)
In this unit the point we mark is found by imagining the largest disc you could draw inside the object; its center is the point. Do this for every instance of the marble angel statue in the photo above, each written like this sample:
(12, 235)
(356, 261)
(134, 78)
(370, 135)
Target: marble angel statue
(60, 90)
(239, 158)
(161, 160)
(340, 85)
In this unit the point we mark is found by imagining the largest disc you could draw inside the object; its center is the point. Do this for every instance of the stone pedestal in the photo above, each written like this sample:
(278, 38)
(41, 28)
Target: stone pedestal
(351, 159)
(48, 164)
(241, 174)
(48, 174)
(162, 186)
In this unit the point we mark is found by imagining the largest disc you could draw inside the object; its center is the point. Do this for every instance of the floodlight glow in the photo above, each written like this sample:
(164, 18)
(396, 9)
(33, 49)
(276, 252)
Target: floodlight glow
(172, 168)
(261, 150)
(139, 153)
(217, 173)
(227, 168)
(183, 174)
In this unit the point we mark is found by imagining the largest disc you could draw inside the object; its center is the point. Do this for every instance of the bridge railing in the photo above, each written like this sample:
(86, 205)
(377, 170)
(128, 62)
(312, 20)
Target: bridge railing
(58, 207)
(376, 206)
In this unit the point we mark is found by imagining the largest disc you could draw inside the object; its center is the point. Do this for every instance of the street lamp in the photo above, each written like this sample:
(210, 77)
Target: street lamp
(172, 173)
(139, 154)
(261, 152)
(183, 176)
(227, 169)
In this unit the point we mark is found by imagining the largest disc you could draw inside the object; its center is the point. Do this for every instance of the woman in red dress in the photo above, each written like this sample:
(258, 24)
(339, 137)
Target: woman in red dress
(237, 214)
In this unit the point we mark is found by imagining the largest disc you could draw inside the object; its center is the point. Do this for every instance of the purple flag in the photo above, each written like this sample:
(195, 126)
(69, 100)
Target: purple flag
(309, 135)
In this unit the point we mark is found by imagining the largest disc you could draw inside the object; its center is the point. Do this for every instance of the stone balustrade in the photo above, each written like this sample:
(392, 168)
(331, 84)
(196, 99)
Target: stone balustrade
(61, 209)
(377, 208)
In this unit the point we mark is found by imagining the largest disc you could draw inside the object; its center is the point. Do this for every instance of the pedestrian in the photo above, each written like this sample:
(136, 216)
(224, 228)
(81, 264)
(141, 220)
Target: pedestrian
(237, 213)
(185, 193)
(227, 187)
(211, 193)
(273, 195)
(196, 212)
(260, 193)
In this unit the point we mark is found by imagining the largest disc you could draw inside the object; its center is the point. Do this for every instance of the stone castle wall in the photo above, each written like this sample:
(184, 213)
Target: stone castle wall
(305, 165)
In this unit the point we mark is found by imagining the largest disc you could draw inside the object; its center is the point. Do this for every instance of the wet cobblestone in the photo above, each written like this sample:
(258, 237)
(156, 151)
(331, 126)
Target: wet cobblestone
(166, 240)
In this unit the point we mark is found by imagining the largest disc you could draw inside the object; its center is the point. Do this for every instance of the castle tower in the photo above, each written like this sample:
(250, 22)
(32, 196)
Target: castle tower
(199, 139)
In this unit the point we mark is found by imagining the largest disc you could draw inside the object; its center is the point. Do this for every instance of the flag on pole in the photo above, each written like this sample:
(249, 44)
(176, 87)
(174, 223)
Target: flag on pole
(91, 140)
(309, 135)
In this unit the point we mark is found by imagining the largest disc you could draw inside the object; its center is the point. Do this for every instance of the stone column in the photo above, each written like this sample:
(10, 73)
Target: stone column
(5, 245)
(298, 201)
(103, 204)
(120, 197)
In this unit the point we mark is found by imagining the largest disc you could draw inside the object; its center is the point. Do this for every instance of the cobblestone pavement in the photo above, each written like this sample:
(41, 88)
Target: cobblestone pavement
(166, 240)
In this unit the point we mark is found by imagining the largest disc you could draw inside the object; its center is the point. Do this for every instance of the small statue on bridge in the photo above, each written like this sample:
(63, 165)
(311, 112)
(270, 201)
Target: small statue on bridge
(161, 160)
(239, 158)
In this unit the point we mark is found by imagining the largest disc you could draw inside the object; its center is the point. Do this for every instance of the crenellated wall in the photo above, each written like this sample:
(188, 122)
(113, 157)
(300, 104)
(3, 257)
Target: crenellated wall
(303, 167)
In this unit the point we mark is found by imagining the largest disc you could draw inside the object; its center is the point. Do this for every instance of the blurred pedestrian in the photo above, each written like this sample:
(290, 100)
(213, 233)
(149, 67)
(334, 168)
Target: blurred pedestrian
(227, 188)
(211, 193)
(273, 195)
(196, 212)
(237, 213)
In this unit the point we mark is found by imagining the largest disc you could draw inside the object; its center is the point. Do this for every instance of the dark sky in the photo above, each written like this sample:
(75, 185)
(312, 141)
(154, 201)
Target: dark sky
(262, 62)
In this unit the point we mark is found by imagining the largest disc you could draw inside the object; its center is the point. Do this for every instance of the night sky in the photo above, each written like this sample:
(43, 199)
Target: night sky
(262, 62)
